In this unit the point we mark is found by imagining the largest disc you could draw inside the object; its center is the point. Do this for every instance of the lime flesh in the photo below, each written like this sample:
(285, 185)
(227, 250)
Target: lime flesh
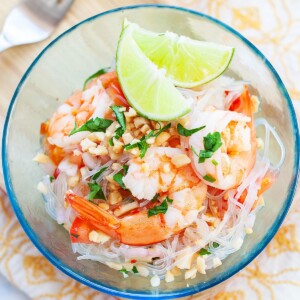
(145, 86)
(188, 63)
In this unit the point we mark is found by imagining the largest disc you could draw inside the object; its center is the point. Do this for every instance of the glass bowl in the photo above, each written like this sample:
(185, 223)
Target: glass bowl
(62, 67)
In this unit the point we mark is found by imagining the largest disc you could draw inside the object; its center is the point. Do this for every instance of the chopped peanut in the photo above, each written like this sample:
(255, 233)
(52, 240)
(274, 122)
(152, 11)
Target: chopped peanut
(42, 188)
(249, 230)
(101, 150)
(184, 260)
(98, 237)
(139, 122)
(86, 144)
(116, 166)
(145, 128)
(125, 208)
(127, 138)
(114, 265)
(104, 206)
(143, 271)
(114, 197)
(216, 262)
(163, 137)
(254, 103)
(73, 181)
(97, 137)
(130, 113)
(176, 271)
(169, 277)
(180, 160)
(113, 155)
(190, 274)
(151, 140)
(201, 266)
(41, 158)
(76, 152)
(118, 146)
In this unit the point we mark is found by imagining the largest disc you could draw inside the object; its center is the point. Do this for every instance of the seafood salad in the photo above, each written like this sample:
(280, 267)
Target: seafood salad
(154, 167)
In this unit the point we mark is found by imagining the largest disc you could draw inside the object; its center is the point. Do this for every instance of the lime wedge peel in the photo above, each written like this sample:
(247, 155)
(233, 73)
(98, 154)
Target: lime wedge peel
(188, 63)
(145, 86)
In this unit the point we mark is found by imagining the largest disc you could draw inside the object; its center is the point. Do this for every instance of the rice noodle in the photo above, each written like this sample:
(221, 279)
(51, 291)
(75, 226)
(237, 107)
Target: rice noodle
(228, 231)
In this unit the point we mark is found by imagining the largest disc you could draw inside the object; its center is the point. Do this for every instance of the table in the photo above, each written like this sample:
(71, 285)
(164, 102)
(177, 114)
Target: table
(272, 25)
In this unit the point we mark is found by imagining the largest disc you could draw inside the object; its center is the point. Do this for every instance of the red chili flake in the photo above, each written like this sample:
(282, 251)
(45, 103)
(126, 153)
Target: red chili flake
(133, 261)
(56, 173)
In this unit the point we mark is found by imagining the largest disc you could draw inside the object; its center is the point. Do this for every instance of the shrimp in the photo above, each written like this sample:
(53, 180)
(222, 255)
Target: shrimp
(77, 109)
(137, 228)
(229, 164)
(155, 173)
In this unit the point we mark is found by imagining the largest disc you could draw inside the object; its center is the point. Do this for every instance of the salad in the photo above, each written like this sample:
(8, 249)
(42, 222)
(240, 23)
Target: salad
(154, 167)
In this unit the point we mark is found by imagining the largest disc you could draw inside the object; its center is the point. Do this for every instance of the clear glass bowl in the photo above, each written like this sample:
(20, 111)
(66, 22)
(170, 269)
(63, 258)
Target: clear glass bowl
(62, 67)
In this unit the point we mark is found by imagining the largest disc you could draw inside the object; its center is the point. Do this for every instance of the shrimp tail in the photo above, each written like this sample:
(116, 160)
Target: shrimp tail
(96, 216)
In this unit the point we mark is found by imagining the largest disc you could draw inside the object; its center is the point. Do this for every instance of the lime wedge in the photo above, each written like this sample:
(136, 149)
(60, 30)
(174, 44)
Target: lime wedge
(188, 63)
(145, 86)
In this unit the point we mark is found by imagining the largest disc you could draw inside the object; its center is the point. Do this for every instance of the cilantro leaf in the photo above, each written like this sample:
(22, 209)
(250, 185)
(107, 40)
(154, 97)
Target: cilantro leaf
(95, 75)
(121, 120)
(96, 191)
(169, 200)
(92, 125)
(159, 209)
(212, 142)
(187, 132)
(125, 169)
(204, 251)
(96, 175)
(209, 178)
(123, 270)
(216, 245)
(135, 270)
(119, 179)
(157, 132)
(51, 178)
(155, 197)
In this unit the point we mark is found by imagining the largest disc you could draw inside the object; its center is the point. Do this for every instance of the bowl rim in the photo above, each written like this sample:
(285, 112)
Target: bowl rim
(133, 294)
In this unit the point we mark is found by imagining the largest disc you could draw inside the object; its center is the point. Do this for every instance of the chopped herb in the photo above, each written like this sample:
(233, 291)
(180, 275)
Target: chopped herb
(119, 179)
(204, 251)
(216, 245)
(204, 154)
(96, 175)
(51, 178)
(155, 197)
(159, 209)
(194, 150)
(153, 133)
(125, 169)
(142, 144)
(93, 125)
(121, 120)
(96, 191)
(111, 141)
(212, 142)
(74, 235)
(123, 270)
(95, 75)
(135, 270)
(169, 200)
(214, 162)
(209, 178)
(62, 224)
(187, 132)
